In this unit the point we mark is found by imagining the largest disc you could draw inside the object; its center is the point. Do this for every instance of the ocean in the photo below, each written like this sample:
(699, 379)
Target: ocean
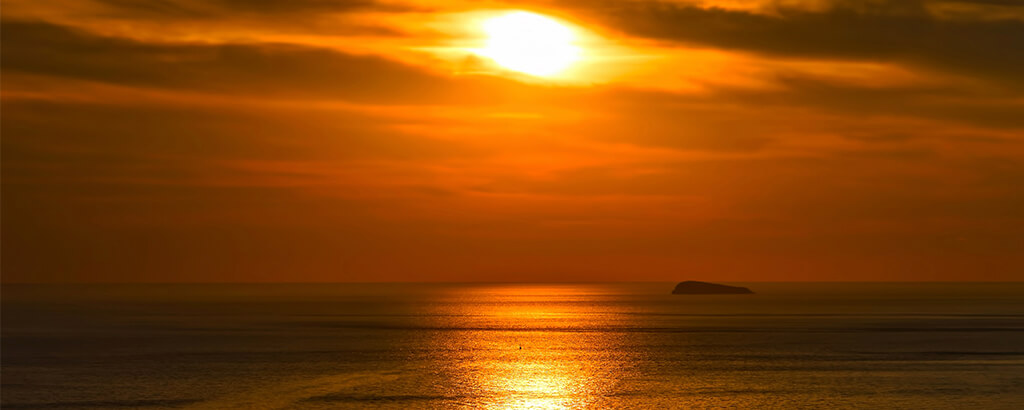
(580, 345)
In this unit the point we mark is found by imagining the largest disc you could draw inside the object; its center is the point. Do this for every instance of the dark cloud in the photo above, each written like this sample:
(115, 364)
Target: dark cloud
(271, 70)
(941, 103)
(885, 31)
(334, 19)
(746, 120)
(1006, 3)
(207, 9)
(109, 135)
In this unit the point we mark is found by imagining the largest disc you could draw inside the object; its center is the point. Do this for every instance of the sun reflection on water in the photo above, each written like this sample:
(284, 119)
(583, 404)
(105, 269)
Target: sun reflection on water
(532, 348)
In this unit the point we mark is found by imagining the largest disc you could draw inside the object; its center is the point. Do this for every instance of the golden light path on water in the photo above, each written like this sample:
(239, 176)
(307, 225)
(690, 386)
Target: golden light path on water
(533, 347)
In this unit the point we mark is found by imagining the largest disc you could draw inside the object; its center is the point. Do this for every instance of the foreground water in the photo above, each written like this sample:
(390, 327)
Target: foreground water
(861, 345)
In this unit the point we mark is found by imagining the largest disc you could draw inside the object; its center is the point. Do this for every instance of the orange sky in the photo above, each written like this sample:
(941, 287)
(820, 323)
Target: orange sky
(362, 140)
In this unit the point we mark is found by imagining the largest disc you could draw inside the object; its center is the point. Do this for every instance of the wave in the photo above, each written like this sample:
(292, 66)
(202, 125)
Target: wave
(104, 404)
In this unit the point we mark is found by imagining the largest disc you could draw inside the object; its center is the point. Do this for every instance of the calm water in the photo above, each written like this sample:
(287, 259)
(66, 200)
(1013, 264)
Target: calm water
(512, 346)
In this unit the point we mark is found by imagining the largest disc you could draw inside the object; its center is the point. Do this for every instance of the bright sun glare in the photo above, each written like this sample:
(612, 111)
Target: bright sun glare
(530, 43)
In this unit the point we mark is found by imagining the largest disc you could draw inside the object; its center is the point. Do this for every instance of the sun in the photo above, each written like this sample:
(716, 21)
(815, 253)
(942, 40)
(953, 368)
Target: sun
(530, 43)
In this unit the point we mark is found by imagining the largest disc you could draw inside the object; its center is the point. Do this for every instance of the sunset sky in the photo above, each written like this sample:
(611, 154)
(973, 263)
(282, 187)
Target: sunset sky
(361, 140)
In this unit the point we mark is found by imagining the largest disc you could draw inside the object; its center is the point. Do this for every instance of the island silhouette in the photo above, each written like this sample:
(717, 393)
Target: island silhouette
(692, 287)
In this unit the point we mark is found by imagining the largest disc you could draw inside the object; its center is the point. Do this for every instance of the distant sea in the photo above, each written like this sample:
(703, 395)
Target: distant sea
(601, 345)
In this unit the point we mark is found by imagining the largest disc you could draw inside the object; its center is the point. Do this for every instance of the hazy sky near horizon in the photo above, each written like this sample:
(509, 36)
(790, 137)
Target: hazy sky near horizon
(363, 140)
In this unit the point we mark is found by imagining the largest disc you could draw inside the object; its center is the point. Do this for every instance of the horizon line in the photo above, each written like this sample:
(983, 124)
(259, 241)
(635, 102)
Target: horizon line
(439, 282)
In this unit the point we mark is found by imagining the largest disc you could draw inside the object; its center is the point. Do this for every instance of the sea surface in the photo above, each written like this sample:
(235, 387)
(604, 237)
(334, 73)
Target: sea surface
(600, 345)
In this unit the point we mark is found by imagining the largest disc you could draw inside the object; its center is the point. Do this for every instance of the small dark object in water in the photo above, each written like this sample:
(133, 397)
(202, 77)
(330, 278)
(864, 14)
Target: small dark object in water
(692, 287)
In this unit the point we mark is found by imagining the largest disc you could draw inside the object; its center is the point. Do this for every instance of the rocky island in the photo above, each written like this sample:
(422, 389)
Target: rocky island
(692, 287)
